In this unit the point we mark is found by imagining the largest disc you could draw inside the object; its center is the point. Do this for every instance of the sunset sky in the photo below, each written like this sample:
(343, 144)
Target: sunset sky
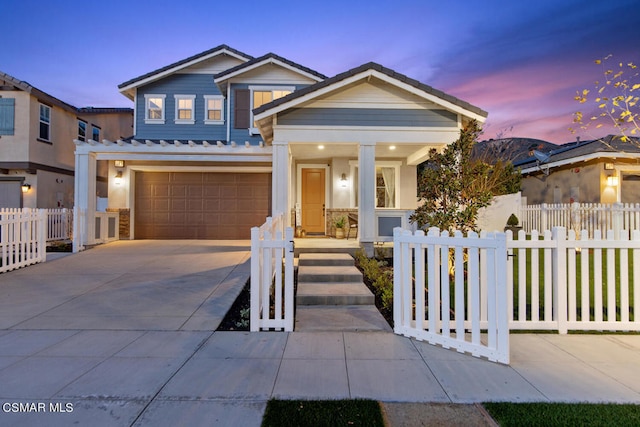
(520, 61)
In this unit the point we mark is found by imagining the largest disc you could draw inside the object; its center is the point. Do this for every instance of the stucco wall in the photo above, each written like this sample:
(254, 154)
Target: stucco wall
(494, 217)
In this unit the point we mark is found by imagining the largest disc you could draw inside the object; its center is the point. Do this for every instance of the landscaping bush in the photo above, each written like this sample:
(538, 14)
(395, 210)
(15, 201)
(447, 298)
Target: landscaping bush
(378, 276)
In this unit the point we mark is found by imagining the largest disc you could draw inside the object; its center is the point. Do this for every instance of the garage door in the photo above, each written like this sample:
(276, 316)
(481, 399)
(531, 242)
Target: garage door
(189, 205)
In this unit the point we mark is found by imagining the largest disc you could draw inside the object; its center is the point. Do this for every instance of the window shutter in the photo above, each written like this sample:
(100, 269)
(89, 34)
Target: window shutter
(7, 113)
(241, 110)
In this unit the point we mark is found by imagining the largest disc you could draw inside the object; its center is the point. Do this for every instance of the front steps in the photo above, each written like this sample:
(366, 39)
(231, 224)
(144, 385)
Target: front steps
(331, 296)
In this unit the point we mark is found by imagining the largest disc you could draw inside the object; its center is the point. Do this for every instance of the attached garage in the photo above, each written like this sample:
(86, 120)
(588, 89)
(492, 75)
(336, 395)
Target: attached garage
(194, 205)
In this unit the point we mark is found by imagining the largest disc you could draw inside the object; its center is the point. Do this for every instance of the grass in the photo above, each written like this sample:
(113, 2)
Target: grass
(563, 414)
(320, 413)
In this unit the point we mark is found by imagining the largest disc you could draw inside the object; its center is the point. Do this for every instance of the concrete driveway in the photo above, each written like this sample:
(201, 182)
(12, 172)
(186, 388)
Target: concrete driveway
(128, 285)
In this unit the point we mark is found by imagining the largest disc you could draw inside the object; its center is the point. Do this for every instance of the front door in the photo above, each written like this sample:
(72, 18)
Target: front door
(313, 189)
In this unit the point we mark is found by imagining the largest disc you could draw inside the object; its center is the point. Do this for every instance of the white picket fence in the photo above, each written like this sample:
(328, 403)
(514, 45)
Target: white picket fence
(272, 276)
(59, 224)
(561, 282)
(581, 216)
(22, 237)
(456, 310)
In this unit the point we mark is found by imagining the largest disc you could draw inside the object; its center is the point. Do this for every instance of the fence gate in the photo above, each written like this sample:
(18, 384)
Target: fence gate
(452, 291)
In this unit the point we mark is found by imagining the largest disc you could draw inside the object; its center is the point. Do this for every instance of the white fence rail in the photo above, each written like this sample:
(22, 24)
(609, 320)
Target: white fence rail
(561, 282)
(22, 237)
(272, 276)
(465, 287)
(581, 216)
(59, 224)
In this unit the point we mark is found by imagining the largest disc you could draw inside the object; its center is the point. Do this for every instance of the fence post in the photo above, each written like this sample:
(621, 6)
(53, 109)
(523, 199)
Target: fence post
(288, 279)
(543, 216)
(559, 262)
(255, 280)
(43, 222)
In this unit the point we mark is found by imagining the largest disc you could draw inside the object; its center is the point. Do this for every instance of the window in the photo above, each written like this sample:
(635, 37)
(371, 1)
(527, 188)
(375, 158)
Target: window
(154, 109)
(261, 95)
(45, 123)
(82, 130)
(184, 109)
(213, 109)
(7, 114)
(387, 185)
(95, 133)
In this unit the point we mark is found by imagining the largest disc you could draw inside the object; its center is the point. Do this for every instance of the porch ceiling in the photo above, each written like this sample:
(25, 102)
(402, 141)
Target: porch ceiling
(411, 152)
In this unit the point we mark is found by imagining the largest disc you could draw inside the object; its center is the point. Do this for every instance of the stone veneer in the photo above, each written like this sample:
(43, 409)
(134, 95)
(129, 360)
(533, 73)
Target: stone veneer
(125, 221)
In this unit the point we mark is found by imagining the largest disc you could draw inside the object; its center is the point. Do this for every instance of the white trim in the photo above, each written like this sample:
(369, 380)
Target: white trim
(585, 158)
(177, 99)
(237, 169)
(208, 121)
(263, 88)
(48, 139)
(172, 70)
(147, 120)
(396, 164)
(366, 75)
(265, 62)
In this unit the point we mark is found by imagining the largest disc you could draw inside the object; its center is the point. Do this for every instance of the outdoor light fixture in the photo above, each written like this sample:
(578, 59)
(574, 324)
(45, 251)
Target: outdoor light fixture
(392, 147)
(320, 147)
(26, 187)
(612, 181)
(343, 180)
(118, 178)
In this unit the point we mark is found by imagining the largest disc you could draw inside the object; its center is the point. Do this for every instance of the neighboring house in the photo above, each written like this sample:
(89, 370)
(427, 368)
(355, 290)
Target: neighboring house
(600, 171)
(223, 140)
(36, 144)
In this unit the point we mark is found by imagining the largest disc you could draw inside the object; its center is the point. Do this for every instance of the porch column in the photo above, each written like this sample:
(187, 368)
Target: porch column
(367, 195)
(280, 176)
(84, 200)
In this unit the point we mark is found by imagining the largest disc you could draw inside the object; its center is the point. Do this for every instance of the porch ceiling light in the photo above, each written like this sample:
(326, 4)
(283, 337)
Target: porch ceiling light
(26, 187)
(392, 147)
(320, 147)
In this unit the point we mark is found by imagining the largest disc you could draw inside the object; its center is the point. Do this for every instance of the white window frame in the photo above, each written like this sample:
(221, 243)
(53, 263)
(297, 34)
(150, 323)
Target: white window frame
(291, 89)
(190, 121)
(40, 121)
(148, 120)
(353, 170)
(208, 121)
(93, 132)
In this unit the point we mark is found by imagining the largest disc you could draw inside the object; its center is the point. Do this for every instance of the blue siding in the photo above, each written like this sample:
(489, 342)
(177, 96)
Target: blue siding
(180, 84)
(369, 117)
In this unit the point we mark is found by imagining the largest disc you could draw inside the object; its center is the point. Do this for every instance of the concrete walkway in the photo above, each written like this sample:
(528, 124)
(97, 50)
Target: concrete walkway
(123, 334)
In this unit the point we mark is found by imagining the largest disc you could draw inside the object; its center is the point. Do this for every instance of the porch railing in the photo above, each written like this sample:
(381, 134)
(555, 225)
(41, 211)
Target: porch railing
(272, 276)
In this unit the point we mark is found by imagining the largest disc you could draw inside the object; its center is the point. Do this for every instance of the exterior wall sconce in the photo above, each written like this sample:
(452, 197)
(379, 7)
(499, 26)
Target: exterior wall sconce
(343, 180)
(608, 166)
(118, 178)
(612, 181)
(26, 187)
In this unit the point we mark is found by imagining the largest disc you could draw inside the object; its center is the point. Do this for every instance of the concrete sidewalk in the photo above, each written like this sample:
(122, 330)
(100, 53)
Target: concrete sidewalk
(123, 335)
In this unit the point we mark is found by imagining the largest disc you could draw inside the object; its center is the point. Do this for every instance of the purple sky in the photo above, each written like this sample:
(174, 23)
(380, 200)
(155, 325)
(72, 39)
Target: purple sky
(520, 61)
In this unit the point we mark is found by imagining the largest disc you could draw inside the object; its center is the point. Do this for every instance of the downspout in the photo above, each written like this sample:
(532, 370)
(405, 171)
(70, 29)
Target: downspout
(229, 112)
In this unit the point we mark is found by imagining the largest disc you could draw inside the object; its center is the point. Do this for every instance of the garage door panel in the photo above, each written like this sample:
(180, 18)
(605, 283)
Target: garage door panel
(187, 205)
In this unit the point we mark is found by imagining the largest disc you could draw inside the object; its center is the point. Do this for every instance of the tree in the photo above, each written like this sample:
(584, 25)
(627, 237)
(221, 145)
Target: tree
(453, 186)
(617, 100)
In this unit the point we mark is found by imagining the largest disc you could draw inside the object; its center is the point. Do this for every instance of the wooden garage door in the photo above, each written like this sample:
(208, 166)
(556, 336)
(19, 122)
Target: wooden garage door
(189, 205)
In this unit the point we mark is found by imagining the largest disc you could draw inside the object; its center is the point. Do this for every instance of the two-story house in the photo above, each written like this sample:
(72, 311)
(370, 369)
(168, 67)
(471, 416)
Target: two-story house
(223, 139)
(37, 130)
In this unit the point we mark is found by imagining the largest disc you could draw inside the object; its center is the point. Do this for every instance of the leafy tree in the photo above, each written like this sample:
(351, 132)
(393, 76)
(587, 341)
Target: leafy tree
(616, 97)
(453, 186)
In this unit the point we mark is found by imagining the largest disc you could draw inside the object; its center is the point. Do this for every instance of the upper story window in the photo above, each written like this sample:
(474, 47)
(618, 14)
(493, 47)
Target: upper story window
(154, 109)
(261, 95)
(185, 109)
(7, 115)
(45, 123)
(82, 130)
(213, 109)
(95, 133)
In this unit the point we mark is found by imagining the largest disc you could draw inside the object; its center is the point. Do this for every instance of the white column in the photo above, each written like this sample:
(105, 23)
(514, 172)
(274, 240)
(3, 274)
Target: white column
(280, 176)
(85, 198)
(367, 195)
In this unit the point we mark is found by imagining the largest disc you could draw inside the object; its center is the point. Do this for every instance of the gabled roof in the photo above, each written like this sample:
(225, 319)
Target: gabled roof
(171, 68)
(608, 147)
(269, 58)
(368, 67)
(45, 97)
